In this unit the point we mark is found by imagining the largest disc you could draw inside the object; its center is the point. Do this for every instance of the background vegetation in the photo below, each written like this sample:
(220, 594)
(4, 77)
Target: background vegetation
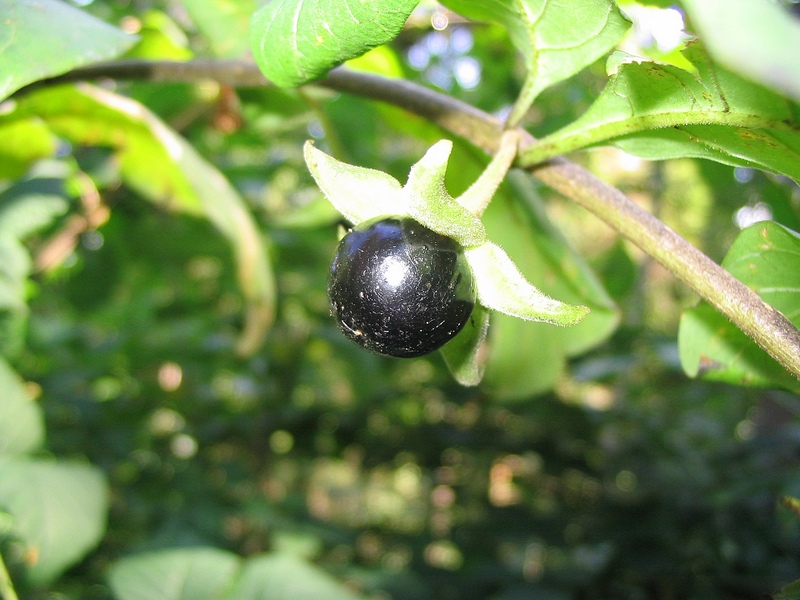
(180, 417)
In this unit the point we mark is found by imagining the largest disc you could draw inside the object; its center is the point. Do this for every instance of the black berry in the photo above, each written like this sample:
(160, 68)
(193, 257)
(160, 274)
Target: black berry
(399, 289)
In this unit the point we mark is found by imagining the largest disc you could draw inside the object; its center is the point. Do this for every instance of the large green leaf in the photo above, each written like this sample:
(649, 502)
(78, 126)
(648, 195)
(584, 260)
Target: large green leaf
(527, 357)
(48, 37)
(174, 574)
(58, 511)
(21, 419)
(297, 41)
(766, 257)
(207, 573)
(165, 168)
(286, 577)
(558, 38)
(755, 38)
(659, 111)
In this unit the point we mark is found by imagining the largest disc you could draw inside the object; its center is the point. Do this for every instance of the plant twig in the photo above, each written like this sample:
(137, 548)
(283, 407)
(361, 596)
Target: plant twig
(766, 326)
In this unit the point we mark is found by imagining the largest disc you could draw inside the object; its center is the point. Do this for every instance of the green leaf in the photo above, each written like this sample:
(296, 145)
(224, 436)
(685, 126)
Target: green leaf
(297, 41)
(30, 205)
(525, 357)
(160, 38)
(789, 592)
(15, 266)
(359, 194)
(465, 354)
(286, 577)
(558, 38)
(503, 288)
(25, 207)
(659, 111)
(759, 40)
(208, 573)
(766, 257)
(21, 419)
(59, 511)
(165, 168)
(223, 23)
(49, 37)
(23, 141)
(174, 574)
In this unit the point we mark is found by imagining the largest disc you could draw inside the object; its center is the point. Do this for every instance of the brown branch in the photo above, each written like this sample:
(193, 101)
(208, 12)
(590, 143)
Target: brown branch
(769, 328)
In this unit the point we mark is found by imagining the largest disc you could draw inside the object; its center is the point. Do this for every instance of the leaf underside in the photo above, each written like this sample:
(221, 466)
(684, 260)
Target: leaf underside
(658, 111)
(759, 40)
(765, 257)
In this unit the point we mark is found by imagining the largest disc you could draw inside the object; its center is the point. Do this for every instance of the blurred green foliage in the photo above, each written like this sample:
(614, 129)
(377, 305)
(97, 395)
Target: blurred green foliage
(620, 478)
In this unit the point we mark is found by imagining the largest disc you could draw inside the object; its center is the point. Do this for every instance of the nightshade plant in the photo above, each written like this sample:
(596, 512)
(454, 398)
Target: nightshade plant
(138, 354)
(361, 195)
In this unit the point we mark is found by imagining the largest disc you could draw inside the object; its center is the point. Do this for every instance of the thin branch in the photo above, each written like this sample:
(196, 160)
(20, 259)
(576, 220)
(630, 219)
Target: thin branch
(769, 328)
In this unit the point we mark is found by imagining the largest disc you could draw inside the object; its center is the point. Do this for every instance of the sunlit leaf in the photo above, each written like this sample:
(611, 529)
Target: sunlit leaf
(297, 41)
(160, 38)
(58, 510)
(166, 169)
(759, 40)
(23, 141)
(176, 574)
(766, 257)
(659, 111)
(48, 37)
(286, 577)
(359, 194)
(382, 60)
(501, 287)
(558, 38)
(21, 419)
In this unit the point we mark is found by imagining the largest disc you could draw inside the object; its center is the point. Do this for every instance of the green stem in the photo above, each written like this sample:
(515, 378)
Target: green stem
(477, 198)
(574, 138)
(524, 100)
(6, 585)
(766, 326)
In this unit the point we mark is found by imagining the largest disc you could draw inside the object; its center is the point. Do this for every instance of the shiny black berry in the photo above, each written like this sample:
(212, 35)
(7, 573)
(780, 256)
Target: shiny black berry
(399, 289)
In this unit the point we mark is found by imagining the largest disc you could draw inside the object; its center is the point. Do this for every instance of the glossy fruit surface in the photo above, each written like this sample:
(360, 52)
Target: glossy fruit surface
(399, 289)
